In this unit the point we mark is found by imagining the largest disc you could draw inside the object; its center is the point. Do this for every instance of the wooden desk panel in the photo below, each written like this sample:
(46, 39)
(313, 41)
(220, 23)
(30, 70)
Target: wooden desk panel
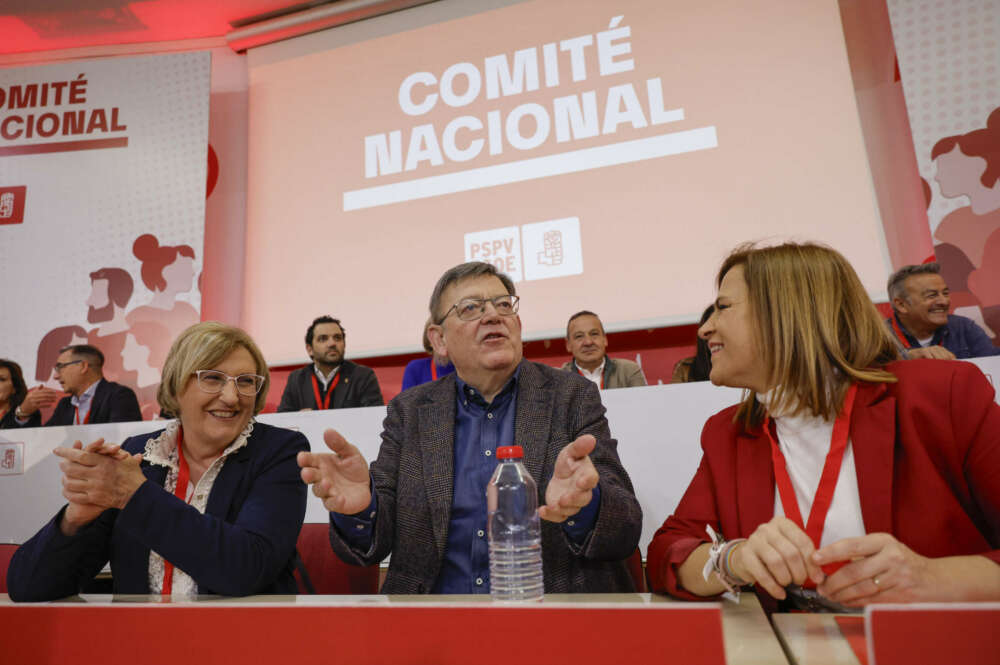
(813, 639)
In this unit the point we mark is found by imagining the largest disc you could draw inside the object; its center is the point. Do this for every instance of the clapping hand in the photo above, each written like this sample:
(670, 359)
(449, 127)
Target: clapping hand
(95, 478)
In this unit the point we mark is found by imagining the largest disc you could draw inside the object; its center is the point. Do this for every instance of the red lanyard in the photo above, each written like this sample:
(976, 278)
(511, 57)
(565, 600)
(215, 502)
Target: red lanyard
(180, 491)
(827, 482)
(434, 370)
(602, 377)
(324, 403)
(76, 416)
(899, 333)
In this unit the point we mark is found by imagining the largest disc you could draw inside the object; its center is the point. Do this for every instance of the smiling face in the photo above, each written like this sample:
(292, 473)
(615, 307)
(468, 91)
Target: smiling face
(214, 420)
(731, 337)
(586, 340)
(484, 348)
(925, 308)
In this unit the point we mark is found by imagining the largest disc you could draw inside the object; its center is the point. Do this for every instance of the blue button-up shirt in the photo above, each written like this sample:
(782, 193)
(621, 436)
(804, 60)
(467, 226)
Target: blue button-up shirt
(960, 335)
(82, 403)
(480, 427)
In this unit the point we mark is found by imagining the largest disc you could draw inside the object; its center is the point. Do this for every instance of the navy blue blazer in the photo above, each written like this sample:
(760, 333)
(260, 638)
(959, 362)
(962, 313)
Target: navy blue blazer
(112, 403)
(244, 543)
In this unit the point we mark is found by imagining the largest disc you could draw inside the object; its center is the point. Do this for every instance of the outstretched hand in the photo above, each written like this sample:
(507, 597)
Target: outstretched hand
(573, 480)
(339, 478)
(39, 397)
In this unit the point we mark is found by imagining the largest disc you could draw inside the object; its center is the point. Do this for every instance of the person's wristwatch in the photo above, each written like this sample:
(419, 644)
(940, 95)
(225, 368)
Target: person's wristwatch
(19, 414)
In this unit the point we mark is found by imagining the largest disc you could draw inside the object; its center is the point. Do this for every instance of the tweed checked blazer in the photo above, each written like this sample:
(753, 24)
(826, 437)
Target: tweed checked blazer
(414, 480)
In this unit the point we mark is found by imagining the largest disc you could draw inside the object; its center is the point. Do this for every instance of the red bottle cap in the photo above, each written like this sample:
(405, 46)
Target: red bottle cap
(507, 452)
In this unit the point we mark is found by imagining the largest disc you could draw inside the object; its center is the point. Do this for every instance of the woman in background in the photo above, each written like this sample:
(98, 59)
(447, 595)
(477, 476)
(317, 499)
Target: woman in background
(872, 479)
(423, 370)
(212, 504)
(698, 366)
(13, 389)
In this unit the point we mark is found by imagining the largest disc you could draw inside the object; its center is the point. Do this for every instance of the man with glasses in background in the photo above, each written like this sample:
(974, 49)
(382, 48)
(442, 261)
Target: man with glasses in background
(330, 382)
(92, 399)
(424, 497)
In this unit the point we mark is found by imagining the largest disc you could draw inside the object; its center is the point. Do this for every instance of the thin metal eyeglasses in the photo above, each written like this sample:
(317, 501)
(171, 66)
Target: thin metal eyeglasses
(214, 381)
(472, 309)
(60, 366)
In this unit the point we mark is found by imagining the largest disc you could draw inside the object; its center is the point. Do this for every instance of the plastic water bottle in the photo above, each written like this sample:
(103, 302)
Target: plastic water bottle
(515, 531)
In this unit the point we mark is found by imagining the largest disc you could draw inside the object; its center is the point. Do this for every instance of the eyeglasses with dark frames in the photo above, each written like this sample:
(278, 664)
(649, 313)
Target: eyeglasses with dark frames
(472, 309)
(214, 381)
(60, 366)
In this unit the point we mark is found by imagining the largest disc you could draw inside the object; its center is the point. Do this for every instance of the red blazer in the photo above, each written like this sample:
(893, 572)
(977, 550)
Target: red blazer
(927, 455)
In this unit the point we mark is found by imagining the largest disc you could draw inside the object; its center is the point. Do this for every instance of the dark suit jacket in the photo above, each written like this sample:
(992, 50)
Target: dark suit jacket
(357, 387)
(112, 403)
(926, 453)
(9, 420)
(414, 480)
(243, 544)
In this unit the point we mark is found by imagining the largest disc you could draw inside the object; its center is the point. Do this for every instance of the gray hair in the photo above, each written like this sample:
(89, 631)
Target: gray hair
(897, 287)
(460, 273)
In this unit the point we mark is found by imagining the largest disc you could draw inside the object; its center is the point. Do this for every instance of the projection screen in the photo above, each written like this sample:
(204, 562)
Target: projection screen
(606, 156)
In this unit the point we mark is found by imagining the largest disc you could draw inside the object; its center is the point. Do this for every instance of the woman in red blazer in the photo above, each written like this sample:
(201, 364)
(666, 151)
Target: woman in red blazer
(844, 470)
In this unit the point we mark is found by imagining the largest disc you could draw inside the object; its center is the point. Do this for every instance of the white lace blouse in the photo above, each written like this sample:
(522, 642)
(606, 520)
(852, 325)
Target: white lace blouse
(162, 450)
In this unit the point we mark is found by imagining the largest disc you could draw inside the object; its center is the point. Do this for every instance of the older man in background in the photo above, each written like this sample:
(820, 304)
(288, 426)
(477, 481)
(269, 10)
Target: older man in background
(586, 340)
(921, 323)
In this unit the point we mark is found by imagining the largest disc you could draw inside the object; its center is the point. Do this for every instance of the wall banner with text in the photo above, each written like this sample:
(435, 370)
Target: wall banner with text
(102, 211)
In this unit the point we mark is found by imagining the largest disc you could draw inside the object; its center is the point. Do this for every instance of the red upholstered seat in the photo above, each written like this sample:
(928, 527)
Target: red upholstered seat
(6, 553)
(327, 573)
(638, 574)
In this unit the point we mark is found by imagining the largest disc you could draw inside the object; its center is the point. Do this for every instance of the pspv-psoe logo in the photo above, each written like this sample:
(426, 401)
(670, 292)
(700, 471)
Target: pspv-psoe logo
(12, 204)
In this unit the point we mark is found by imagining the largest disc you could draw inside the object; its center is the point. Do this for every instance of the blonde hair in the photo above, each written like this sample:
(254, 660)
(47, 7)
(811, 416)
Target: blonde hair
(203, 346)
(817, 331)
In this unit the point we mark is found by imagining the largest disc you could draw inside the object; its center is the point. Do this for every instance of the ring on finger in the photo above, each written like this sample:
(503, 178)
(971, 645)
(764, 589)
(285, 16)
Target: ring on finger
(876, 581)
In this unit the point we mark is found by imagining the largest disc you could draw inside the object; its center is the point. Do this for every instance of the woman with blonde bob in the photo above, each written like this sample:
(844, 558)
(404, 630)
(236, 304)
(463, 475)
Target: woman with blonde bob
(846, 476)
(212, 504)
